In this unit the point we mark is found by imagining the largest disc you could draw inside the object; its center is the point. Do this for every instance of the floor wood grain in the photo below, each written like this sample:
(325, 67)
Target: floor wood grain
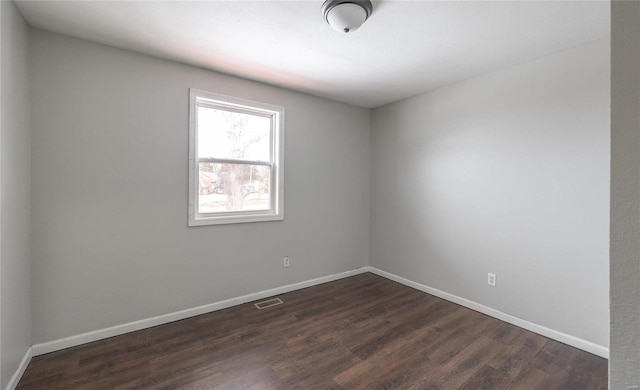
(363, 332)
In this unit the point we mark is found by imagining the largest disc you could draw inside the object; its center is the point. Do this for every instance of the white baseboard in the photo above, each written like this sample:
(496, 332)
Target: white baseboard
(13, 382)
(72, 341)
(539, 329)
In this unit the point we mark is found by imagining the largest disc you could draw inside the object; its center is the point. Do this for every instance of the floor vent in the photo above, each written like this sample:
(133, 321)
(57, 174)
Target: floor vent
(268, 303)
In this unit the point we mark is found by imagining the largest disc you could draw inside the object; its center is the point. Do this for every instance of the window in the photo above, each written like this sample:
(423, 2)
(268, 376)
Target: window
(235, 160)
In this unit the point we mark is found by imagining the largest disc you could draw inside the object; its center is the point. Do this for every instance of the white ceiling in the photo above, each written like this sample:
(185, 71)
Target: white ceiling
(405, 48)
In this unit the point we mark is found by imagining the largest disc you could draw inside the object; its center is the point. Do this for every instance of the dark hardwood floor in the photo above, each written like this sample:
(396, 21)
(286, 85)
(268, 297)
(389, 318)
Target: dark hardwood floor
(363, 332)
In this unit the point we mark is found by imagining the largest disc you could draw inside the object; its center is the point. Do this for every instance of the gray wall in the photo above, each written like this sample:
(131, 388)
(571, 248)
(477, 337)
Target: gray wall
(505, 173)
(110, 240)
(624, 362)
(15, 171)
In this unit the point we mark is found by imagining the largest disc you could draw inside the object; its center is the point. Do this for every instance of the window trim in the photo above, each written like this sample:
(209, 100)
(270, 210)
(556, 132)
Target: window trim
(276, 211)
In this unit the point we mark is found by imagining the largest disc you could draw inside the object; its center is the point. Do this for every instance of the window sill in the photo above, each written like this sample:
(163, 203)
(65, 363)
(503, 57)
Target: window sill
(232, 219)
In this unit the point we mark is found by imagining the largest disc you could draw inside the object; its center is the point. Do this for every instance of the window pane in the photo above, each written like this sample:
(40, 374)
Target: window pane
(233, 135)
(236, 160)
(233, 187)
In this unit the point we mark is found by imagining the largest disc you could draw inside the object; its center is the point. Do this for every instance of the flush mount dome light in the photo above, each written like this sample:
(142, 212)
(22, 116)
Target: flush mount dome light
(346, 15)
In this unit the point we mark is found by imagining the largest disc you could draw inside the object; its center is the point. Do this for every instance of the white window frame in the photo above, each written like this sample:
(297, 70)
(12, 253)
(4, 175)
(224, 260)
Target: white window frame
(222, 102)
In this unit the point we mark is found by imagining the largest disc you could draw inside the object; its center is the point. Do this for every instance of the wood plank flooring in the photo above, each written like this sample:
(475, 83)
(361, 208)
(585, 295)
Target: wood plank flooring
(363, 332)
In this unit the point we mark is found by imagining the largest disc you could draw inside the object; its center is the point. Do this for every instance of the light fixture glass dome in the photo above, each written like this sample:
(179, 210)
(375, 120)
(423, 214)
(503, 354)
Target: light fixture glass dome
(346, 16)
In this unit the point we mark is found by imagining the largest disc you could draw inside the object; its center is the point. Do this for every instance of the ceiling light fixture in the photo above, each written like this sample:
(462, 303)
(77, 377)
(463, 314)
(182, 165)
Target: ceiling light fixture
(346, 15)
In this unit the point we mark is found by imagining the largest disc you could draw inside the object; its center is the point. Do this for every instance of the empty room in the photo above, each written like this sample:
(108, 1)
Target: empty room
(339, 194)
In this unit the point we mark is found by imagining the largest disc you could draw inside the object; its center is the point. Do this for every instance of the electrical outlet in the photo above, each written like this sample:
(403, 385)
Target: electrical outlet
(286, 261)
(491, 279)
